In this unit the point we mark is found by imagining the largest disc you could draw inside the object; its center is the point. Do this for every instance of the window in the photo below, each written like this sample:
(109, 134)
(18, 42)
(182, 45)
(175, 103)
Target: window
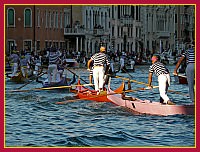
(27, 18)
(50, 19)
(38, 17)
(46, 18)
(56, 19)
(27, 45)
(11, 17)
(11, 45)
(46, 44)
(38, 45)
(61, 21)
(113, 31)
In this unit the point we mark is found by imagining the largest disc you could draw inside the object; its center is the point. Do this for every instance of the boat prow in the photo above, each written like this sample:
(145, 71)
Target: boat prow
(89, 94)
(149, 107)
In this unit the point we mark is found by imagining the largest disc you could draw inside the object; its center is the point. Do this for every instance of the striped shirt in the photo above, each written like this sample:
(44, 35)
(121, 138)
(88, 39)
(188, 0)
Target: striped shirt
(54, 58)
(190, 55)
(14, 58)
(158, 68)
(100, 59)
(23, 62)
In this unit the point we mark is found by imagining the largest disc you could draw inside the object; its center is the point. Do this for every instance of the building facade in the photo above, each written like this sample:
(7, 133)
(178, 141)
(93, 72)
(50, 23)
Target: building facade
(139, 29)
(35, 27)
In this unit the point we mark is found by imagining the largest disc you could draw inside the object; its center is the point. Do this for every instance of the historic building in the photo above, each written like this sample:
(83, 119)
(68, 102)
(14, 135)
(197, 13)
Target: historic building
(139, 29)
(167, 27)
(35, 27)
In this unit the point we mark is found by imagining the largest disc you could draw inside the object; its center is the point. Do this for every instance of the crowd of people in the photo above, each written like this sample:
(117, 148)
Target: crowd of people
(99, 64)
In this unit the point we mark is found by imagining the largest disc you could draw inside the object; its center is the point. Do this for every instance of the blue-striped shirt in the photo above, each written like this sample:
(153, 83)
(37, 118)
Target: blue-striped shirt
(14, 58)
(158, 68)
(190, 55)
(54, 58)
(100, 59)
(23, 62)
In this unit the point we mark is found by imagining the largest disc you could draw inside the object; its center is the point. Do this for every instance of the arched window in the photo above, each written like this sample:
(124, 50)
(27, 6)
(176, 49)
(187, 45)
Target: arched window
(27, 17)
(11, 17)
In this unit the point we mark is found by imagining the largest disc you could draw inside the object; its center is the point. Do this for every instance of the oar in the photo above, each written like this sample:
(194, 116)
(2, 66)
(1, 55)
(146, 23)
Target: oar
(123, 78)
(128, 73)
(49, 88)
(31, 80)
(102, 95)
(177, 92)
(78, 76)
(180, 75)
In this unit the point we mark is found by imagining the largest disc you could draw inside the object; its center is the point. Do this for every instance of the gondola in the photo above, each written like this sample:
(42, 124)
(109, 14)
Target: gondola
(139, 106)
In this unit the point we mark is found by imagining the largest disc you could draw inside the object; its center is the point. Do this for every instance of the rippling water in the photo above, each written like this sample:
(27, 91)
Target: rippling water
(34, 118)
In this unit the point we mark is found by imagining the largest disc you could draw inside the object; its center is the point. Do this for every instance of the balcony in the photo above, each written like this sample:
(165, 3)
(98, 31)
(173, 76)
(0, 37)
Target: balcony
(163, 34)
(98, 32)
(126, 21)
(74, 31)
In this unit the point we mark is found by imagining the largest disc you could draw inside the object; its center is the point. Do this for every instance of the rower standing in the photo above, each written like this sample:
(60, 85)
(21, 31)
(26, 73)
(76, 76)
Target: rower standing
(23, 65)
(163, 78)
(52, 68)
(14, 58)
(190, 69)
(98, 72)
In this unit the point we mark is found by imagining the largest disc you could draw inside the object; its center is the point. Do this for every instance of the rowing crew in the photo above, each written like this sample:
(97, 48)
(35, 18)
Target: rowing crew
(29, 64)
(25, 63)
(160, 70)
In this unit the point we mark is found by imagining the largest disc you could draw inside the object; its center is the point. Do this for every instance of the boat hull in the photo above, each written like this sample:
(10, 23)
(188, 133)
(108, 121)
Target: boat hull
(182, 80)
(18, 78)
(63, 82)
(151, 108)
(88, 94)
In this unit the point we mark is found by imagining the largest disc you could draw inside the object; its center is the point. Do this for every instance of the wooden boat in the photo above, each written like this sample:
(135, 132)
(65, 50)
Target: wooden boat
(71, 63)
(18, 78)
(181, 79)
(89, 94)
(149, 107)
(63, 82)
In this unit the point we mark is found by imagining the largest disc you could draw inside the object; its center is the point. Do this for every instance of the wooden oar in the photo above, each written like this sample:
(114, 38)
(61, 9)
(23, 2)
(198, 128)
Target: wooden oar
(102, 95)
(180, 75)
(123, 78)
(49, 88)
(177, 92)
(128, 73)
(31, 80)
(78, 76)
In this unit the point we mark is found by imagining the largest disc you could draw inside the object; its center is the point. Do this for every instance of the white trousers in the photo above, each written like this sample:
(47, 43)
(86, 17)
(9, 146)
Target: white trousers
(37, 68)
(24, 70)
(98, 76)
(164, 82)
(14, 69)
(112, 67)
(132, 64)
(52, 70)
(59, 75)
(122, 62)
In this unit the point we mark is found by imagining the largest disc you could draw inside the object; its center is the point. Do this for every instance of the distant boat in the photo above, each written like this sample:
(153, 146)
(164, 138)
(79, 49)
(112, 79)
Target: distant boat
(18, 78)
(71, 62)
(63, 82)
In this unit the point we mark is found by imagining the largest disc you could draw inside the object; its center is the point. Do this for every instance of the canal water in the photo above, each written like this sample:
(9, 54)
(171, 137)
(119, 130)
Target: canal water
(34, 119)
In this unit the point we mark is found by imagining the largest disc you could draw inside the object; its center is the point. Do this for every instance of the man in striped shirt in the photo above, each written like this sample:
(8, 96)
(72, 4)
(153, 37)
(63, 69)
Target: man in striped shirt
(163, 78)
(52, 68)
(99, 60)
(190, 69)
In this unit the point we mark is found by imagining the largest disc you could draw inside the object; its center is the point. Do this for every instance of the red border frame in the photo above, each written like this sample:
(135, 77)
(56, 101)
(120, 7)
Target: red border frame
(3, 149)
